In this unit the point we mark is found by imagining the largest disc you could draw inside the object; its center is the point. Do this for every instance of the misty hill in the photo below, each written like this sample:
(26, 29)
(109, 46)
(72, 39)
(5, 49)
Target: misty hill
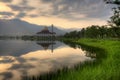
(16, 27)
(71, 29)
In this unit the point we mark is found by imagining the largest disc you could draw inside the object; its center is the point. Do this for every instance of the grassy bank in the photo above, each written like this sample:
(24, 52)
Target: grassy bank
(106, 67)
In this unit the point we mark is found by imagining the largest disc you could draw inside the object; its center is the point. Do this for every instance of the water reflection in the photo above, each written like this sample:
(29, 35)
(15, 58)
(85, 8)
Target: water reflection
(46, 44)
(26, 58)
(89, 51)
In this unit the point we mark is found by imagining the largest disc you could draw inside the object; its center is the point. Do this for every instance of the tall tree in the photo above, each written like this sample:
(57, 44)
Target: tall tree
(112, 2)
(115, 19)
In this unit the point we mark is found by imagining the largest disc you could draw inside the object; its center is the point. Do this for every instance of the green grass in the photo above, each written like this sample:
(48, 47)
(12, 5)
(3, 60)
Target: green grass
(106, 67)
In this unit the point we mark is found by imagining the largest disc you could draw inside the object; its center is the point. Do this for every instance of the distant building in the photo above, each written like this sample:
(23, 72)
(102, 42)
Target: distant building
(46, 33)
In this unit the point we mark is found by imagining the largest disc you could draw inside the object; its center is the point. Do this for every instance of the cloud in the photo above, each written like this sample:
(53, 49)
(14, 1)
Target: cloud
(68, 9)
(7, 13)
(21, 15)
(21, 8)
(88, 8)
(7, 75)
(5, 0)
(33, 15)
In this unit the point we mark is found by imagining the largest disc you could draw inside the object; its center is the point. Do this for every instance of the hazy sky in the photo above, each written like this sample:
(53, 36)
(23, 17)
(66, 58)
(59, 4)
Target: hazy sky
(63, 13)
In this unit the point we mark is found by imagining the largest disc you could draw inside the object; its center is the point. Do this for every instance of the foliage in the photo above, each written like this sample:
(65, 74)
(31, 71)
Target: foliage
(95, 31)
(112, 2)
(115, 19)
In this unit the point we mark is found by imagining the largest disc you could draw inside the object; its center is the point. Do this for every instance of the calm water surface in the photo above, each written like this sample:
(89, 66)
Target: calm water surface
(28, 58)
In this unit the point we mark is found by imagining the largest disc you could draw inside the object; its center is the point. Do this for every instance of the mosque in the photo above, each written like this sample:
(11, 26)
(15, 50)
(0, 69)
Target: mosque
(46, 33)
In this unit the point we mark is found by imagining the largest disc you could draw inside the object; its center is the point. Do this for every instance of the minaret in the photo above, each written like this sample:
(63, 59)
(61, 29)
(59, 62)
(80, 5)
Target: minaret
(52, 28)
(52, 37)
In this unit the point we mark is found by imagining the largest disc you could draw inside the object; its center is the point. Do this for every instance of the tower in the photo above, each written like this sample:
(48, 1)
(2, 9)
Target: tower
(52, 28)
(52, 37)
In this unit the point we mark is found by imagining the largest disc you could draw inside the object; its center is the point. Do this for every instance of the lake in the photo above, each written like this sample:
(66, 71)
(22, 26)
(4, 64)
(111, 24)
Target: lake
(20, 58)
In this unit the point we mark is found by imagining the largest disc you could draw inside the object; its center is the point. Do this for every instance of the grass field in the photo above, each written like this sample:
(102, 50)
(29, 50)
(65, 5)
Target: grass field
(106, 67)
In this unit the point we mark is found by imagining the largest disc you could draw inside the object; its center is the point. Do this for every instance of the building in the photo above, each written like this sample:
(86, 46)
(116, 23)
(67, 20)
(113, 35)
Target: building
(46, 33)
(46, 37)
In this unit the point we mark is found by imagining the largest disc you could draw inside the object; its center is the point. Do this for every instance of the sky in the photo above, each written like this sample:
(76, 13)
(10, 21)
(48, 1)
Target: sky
(62, 13)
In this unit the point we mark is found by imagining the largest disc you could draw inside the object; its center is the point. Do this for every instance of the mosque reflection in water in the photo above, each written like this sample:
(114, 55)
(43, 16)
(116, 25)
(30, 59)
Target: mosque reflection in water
(46, 44)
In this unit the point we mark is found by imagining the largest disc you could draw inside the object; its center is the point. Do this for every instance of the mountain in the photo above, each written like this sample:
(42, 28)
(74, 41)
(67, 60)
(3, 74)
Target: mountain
(17, 27)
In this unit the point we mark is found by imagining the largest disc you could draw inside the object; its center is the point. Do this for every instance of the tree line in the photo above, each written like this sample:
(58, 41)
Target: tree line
(112, 30)
(95, 31)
